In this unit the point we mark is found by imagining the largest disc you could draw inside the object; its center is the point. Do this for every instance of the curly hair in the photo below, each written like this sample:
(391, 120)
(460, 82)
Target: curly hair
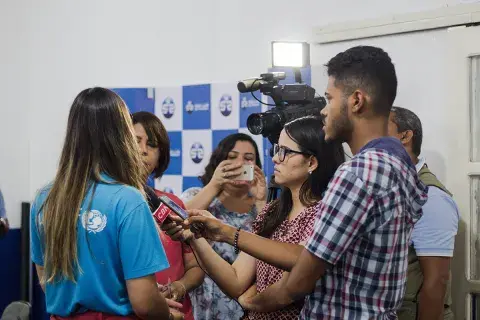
(367, 68)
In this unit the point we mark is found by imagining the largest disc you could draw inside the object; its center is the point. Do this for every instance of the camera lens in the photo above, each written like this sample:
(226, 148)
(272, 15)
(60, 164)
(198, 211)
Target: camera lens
(265, 123)
(255, 123)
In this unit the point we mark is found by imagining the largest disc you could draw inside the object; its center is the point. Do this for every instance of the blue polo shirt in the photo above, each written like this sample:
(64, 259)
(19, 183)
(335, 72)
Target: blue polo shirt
(116, 240)
(434, 234)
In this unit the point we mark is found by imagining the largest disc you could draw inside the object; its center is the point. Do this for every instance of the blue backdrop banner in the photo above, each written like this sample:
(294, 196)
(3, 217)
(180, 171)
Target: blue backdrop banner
(197, 118)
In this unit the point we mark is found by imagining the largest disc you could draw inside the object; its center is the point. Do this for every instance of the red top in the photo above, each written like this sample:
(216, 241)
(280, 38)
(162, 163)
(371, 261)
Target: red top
(295, 231)
(175, 251)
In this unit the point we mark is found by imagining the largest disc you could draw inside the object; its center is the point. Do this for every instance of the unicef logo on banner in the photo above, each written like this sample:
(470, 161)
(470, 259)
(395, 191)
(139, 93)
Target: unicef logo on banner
(197, 152)
(249, 103)
(175, 166)
(226, 104)
(175, 153)
(196, 107)
(244, 103)
(168, 107)
(189, 107)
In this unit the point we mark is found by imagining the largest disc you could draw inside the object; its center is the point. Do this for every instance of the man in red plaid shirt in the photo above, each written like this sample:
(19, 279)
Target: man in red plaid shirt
(355, 264)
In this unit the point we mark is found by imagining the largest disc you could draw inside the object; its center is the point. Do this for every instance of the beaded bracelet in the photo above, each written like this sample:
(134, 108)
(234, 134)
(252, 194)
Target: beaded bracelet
(235, 241)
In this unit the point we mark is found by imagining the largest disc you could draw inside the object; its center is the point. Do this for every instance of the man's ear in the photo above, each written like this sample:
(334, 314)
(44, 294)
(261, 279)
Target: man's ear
(359, 100)
(406, 137)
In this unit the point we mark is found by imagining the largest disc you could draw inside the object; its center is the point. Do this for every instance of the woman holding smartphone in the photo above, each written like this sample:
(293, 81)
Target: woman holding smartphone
(304, 165)
(232, 201)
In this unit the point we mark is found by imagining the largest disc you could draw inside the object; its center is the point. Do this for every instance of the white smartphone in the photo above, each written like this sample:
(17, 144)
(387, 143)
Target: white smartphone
(248, 173)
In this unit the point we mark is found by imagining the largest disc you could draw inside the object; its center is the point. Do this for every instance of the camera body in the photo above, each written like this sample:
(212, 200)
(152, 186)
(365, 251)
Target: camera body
(292, 101)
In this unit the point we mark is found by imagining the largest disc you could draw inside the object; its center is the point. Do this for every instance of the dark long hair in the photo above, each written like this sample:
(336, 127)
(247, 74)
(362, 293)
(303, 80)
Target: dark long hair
(221, 153)
(99, 139)
(157, 138)
(308, 134)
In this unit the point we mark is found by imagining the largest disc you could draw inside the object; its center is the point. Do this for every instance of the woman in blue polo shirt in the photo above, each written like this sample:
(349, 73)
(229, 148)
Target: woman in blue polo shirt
(93, 238)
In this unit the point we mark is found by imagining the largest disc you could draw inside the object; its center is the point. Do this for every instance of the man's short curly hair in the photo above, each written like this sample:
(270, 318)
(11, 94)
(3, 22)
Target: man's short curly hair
(367, 68)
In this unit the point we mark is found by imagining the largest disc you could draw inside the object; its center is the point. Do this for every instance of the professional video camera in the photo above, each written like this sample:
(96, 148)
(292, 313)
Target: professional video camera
(292, 101)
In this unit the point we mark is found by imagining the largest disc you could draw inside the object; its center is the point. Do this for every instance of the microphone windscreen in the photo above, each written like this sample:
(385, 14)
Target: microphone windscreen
(161, 213)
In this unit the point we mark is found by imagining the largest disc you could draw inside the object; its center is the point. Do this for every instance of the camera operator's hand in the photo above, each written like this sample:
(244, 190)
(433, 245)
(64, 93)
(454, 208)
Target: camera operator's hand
(4, 227)
(226, 172)
(259, 185)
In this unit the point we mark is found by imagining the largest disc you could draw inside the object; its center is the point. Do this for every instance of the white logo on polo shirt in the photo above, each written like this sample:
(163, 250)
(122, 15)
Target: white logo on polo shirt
(94, 221)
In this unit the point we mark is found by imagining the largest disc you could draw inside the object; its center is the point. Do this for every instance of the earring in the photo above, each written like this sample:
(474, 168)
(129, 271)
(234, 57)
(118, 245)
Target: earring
(309, 172)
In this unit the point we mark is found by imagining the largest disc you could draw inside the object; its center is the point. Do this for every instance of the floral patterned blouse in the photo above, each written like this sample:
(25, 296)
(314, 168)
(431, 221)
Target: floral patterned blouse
(295, 231)
(209, 302)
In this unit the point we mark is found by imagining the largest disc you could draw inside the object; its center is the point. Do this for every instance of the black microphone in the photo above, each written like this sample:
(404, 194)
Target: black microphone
(152, 198)
(159, 210)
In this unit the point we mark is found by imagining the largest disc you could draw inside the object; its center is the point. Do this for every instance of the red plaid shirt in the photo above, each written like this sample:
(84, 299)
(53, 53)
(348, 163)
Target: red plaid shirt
(363, 228)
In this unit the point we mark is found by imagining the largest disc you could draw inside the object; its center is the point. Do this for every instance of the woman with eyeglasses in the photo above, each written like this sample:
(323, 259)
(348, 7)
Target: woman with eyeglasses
(304, 165)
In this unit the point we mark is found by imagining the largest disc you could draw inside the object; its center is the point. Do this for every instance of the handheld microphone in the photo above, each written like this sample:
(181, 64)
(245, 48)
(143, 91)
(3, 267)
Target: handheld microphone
(162, 213)
(159, 210)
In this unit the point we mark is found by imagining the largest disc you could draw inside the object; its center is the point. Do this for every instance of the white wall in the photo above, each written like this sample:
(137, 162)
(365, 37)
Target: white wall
(53, 49)
(420, 60)
(14, 117)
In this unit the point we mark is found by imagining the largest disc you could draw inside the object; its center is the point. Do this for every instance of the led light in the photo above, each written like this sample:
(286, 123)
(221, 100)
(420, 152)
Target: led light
(290, 54)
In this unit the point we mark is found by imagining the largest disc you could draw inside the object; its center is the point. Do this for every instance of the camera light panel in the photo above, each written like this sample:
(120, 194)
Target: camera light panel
(290, 54)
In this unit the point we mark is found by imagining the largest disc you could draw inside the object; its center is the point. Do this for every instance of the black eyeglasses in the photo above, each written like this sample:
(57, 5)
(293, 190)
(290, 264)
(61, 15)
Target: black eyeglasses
(283, 151)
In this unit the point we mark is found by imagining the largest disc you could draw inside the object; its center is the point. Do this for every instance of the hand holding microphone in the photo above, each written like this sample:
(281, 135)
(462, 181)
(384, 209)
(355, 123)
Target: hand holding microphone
(175, 230)
(212, 228)
(170, 216)
(200, 224)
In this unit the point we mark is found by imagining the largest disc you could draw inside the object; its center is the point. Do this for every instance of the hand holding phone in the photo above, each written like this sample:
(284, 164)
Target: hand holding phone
(248, 173)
